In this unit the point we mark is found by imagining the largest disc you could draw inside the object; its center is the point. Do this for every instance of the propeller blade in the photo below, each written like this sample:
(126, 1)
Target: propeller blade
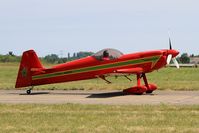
(175, 62)
(170, 47)
(169, 57)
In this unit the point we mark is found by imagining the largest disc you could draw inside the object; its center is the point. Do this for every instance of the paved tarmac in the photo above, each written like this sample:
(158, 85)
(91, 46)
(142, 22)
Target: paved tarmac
(99, 97)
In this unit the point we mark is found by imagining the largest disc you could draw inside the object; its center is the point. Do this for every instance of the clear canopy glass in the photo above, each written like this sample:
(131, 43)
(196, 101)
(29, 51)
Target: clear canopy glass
(111, 54)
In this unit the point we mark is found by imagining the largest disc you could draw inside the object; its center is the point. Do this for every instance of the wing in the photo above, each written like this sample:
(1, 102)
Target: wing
(130, 70)
(121, 72)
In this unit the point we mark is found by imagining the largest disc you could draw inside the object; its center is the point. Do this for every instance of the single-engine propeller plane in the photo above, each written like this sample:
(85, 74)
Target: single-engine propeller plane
(100, 65)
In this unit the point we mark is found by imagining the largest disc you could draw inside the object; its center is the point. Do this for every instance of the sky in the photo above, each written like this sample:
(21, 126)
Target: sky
(62, 26)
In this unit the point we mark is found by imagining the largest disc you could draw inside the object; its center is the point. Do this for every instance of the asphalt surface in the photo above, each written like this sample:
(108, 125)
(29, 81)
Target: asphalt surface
(99, 97)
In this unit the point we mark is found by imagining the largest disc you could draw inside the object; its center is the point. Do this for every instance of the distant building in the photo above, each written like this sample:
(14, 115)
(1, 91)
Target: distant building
(194, 60)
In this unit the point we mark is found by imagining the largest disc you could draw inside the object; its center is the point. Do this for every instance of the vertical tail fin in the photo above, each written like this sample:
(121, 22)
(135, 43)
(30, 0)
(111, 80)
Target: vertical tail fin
(29, 60)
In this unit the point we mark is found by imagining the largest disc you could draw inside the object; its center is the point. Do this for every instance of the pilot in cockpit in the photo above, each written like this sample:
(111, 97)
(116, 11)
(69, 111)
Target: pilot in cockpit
(105, 55)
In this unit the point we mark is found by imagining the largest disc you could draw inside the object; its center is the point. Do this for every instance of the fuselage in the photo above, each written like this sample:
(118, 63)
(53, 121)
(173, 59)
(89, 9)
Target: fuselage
(91, 67)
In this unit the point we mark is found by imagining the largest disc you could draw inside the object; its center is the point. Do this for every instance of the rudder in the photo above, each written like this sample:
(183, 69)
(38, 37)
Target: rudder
(29, 60)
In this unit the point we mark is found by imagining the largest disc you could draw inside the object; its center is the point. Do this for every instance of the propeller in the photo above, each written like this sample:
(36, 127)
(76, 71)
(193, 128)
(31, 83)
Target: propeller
(175, 62)
(170, 47)
(169, 57)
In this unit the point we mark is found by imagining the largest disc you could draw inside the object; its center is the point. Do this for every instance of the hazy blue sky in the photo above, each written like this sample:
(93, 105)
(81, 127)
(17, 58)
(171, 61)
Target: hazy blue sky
(52, 26)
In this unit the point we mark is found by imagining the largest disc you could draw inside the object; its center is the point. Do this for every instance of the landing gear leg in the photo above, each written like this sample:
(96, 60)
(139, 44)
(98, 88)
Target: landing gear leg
(139, 89)
(29, 90)
(150, 87)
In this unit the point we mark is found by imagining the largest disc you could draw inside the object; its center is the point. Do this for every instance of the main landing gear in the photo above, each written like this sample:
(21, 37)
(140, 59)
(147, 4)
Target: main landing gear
(140, 89)
(29, 90)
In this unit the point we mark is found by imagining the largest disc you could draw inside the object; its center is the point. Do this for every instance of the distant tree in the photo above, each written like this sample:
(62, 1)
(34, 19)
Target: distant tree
(84, 54)
(52, 58)
(68, 55)
(62, 60)
(78, 55)
(10, 57)
(74, 55)
(178, 59)
(192, 55)
(10, 53)
(184, 58)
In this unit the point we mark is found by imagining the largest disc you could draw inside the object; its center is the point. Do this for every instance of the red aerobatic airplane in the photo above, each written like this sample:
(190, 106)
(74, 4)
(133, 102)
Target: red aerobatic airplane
(100, 65)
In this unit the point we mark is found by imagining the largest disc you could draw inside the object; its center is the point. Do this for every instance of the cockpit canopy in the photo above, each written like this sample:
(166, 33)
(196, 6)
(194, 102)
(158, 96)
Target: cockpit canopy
(111, 54)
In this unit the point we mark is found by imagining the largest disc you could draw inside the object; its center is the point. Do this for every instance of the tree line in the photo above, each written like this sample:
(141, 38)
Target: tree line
(55, 59)
(51, 58)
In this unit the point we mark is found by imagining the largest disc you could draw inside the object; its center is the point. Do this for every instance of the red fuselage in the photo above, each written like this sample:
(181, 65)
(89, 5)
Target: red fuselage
(90, 67)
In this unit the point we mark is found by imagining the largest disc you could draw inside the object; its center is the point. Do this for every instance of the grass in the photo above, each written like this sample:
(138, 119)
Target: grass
(75, 118)
(166, 78)
(23, 118)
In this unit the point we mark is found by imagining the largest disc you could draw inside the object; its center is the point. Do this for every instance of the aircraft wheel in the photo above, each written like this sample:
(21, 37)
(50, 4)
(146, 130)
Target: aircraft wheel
(28, 92)
(136, 90)
(151, 88)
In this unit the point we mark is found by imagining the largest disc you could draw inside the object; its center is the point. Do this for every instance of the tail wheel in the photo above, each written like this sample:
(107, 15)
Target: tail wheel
(28, 91)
